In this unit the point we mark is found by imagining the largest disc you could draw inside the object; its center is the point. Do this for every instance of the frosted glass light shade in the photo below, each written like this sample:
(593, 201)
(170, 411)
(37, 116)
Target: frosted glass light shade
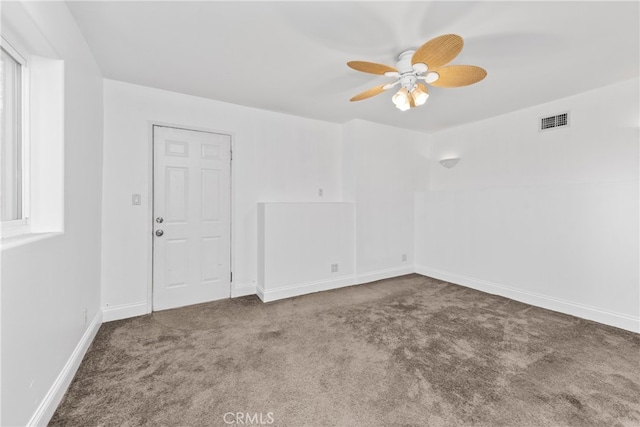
(419, 96)
(401, 98)
(450, 162)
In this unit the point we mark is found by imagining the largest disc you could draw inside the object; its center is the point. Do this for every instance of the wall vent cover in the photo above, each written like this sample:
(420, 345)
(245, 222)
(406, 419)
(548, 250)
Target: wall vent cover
(557, 121)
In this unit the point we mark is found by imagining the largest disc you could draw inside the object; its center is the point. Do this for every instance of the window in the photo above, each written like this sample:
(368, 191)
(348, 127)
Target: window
(31, 134)
(12, 148)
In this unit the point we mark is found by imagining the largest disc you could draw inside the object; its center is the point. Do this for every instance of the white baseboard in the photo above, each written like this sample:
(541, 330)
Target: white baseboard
(54, 396)
(124, 311)
(243, 290)
(260, 292)
(384, 274)
(325, 285)
(303, 288)
(599, 315)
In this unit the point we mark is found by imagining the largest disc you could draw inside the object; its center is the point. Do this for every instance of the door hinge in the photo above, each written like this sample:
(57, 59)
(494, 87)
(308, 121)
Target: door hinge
(231, 278)
(231, 154)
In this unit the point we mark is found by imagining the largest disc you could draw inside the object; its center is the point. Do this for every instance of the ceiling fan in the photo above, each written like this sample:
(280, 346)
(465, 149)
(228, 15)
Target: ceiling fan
(428, 64)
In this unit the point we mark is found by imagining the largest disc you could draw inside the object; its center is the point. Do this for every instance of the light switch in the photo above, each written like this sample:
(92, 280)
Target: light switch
(135, 199)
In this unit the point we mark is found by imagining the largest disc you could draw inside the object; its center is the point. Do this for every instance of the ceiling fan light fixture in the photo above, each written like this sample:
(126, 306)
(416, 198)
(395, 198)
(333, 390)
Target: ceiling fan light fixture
(401, 98)
(431, 77)
(419, 96)
(403, 107)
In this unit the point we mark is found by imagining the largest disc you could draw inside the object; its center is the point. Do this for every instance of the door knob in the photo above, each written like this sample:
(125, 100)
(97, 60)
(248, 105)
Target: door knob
(159, 220)
(159, 233)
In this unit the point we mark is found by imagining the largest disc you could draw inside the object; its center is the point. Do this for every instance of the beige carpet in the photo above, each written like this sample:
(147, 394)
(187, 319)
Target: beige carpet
(404, 351)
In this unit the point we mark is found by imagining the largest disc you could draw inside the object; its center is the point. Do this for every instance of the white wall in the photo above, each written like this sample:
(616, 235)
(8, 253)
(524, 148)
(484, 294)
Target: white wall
(276, 157)
(46, 141)
(48, 284)
(298, 244)
(379, 170)
(549, 218)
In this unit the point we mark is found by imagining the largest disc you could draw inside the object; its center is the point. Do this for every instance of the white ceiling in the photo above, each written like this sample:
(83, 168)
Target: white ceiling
(291, 56)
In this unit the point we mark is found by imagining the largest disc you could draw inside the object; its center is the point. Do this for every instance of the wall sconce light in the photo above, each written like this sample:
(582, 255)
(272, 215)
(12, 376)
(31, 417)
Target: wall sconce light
(450, 162)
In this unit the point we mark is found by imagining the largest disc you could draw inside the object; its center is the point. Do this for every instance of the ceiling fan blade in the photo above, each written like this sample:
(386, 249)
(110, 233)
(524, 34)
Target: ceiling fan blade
(459, 75)
(423, 88)
(370, 67)
(369, 93)
(438, 51)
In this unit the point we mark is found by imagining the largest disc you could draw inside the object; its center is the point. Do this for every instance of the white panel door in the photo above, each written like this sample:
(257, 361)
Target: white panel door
(191, 217)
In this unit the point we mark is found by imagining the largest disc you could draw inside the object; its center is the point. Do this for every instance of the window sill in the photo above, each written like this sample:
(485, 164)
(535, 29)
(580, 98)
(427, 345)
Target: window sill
(24, 239)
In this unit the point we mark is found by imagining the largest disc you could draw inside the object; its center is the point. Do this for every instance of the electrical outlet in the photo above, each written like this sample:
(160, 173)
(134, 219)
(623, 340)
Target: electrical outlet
(404, 257)
(334, 268)
(320, 192)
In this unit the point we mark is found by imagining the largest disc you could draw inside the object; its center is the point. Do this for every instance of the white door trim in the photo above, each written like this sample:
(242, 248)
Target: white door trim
(150, 176)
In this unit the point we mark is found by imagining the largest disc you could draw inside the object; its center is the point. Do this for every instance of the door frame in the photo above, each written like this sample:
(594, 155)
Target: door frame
(150, 205)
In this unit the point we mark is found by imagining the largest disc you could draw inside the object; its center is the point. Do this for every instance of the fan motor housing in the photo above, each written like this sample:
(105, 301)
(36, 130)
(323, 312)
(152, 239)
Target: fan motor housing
(404, 62)
(408, 81)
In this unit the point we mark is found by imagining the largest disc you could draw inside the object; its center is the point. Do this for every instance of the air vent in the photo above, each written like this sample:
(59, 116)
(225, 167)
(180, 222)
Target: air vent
(551, 122)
